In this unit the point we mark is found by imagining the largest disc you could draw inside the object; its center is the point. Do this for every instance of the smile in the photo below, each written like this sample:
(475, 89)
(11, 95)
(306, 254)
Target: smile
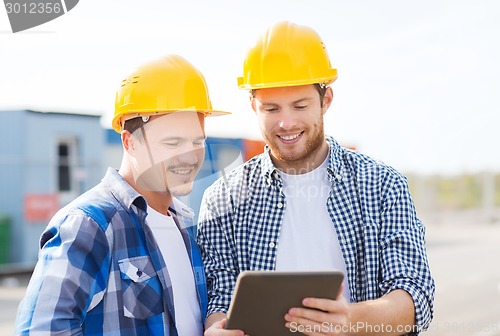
(290, 137)
(182, 172)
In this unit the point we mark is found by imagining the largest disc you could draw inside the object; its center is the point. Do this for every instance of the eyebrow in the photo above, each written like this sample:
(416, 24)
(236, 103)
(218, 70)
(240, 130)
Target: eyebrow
(178, 138)
(302, 100)
(294, 102)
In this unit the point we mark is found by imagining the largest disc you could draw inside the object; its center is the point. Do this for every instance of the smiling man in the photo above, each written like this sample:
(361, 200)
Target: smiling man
(122, 258)
(307, 203)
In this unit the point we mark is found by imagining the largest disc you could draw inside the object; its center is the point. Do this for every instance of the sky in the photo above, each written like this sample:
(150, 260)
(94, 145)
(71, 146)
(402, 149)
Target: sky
(417, 86)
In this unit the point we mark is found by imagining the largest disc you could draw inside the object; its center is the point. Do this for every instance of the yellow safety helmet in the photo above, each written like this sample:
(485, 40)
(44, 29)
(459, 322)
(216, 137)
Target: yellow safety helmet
(165, 85)
(287, 55)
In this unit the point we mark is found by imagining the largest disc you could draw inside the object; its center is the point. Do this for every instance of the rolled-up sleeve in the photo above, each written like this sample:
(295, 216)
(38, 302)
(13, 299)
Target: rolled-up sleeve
(404, 263)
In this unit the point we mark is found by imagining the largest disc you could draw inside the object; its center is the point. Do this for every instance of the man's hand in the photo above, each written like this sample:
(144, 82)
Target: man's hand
(394, 312)
(320, 316)
(215, 326)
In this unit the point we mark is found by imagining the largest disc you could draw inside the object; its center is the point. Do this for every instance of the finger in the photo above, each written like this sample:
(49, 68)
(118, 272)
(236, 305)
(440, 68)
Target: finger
(223, 332)
(217, 329)
(309, 314)
(306, 316)
(300, 314)
(337, 306)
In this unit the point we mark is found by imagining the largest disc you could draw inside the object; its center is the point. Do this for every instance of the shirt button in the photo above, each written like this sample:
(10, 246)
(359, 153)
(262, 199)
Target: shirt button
(280, 205)
(338, 177)
(272, 245)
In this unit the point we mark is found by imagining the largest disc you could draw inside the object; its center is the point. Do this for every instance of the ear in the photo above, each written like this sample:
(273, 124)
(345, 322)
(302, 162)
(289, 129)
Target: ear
(252, 102)
(128, 141)
(327, 99)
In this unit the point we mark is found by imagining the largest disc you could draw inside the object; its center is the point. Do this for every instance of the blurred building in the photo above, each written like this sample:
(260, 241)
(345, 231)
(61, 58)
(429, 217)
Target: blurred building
(46, 160)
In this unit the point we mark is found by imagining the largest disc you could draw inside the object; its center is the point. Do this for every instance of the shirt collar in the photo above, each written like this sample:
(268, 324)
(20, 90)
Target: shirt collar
(335, 167)
(122, 191)
(268, 169)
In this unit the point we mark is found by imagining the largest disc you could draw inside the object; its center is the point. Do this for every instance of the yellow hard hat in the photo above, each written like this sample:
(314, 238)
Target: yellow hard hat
(165, 85)
(287, 55)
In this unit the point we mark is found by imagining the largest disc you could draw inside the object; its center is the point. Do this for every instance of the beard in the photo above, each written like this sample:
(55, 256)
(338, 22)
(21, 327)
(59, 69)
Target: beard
(313, 139)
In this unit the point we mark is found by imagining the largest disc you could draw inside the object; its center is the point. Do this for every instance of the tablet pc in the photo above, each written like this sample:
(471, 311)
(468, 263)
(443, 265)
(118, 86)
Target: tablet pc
(262, 298)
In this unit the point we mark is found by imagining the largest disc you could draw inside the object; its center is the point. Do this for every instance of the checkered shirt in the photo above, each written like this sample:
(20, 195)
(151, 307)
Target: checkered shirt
(380, 236)
(100, 271)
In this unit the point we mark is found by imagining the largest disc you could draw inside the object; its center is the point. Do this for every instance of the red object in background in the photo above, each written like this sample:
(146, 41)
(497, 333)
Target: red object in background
(252, 148)
(40, 207)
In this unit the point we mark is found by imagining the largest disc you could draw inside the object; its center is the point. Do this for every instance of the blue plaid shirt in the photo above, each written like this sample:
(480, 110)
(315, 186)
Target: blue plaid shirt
(380, 236)
(100, 271)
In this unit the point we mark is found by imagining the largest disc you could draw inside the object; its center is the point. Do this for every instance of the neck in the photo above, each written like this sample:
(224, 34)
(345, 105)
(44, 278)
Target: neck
(160, 201)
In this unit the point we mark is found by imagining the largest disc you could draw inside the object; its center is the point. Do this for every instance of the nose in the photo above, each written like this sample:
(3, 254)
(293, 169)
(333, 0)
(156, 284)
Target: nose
(191, 156)
(287, 120)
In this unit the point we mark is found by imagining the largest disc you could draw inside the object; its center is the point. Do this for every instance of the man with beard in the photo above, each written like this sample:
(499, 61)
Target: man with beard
(122, 258)
(307, 203)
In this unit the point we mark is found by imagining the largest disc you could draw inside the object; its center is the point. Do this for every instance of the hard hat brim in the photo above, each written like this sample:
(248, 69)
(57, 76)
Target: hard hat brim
(118, 120)
(242, 84)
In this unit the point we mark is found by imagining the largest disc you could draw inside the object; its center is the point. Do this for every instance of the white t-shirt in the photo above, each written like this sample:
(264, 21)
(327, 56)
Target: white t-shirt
(169, 240)
(308, 239)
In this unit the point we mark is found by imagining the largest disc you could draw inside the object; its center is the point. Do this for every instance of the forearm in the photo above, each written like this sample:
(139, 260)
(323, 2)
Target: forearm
(213, 318)
(392, 314)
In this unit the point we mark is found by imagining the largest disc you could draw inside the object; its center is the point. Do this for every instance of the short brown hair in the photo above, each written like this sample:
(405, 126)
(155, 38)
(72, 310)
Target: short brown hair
(133, 124)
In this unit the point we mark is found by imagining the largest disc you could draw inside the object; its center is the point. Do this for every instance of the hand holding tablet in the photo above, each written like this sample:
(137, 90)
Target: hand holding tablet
(262, 298)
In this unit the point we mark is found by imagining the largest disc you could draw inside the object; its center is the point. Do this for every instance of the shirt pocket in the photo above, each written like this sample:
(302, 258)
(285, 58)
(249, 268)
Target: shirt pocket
(141, 288)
